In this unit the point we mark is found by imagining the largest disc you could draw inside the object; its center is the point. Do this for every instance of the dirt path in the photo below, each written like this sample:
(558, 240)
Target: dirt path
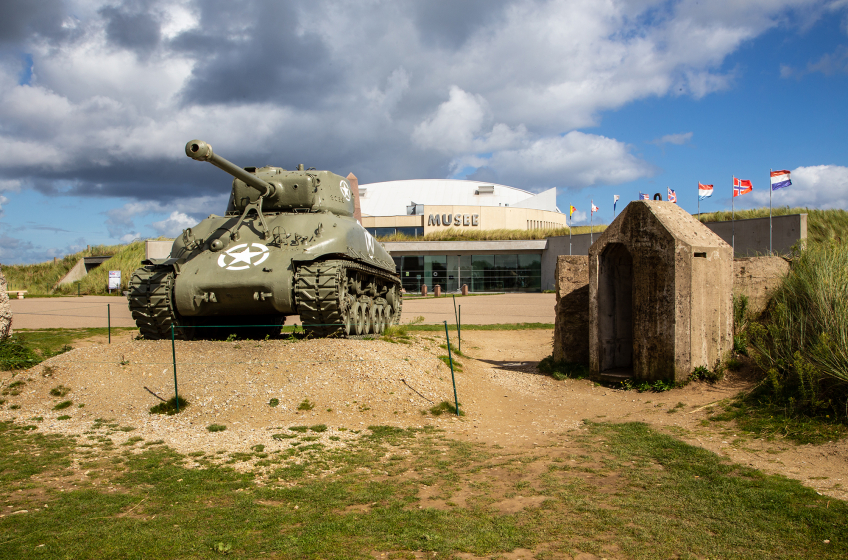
(356, 383)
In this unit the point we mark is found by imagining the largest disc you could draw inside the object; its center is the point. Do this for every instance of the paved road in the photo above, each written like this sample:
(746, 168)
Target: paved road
(90, 311)
(70, 312)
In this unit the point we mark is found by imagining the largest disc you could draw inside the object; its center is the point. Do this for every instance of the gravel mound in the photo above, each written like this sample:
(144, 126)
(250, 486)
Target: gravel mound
(347, 384)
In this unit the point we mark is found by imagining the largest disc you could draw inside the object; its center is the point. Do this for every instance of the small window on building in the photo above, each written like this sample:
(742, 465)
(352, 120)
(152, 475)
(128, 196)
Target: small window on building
(700, 255)
(485, 189)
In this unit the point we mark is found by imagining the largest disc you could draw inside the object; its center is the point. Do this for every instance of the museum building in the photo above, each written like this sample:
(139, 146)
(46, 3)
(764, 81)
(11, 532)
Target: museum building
(417, 207)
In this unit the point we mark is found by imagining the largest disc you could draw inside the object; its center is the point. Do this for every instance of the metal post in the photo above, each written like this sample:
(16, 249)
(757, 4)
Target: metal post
(109, 320)
(174, 356)
(769, 185)
(453, 380)
(733, 217)
(454, 309)
(570, 225)
(78, 289)
(459, 329)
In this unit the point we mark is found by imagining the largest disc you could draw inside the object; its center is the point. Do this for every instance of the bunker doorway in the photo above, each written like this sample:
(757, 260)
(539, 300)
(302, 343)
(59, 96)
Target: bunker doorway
(615, 311)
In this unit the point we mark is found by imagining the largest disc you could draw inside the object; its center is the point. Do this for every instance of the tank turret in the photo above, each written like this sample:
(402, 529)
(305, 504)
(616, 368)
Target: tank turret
(287, 245)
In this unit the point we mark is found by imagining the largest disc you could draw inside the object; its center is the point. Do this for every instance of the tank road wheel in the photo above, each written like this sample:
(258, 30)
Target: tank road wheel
(377, 318)
(367, 324)
(358, 318)
(349, 315)
(388, 316)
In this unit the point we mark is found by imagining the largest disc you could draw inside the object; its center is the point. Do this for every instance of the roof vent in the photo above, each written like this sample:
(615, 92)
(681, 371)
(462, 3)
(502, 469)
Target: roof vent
(485, 189)
(362, 191)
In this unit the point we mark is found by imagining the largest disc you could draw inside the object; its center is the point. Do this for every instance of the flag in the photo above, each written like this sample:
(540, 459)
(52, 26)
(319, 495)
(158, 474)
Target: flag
(594, 208)
(571, 210)
(643, 196)
(741, 186)
(704, 191)
(614, 201)
(671, 196)
(780, 179)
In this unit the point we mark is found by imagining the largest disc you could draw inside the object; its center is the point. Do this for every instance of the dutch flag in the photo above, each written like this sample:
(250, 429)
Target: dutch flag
(704, 191)
(780, 179)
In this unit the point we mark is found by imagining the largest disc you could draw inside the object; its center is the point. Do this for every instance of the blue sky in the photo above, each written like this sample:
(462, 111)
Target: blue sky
(596, 98)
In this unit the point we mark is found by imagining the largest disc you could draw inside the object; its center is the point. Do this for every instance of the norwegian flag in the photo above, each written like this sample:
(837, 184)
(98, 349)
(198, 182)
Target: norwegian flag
(594, 208)
(704, 191)
(671, 196)
(741, 186)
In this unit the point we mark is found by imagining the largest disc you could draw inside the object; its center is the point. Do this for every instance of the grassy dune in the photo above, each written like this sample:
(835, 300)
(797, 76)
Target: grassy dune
(41, 278)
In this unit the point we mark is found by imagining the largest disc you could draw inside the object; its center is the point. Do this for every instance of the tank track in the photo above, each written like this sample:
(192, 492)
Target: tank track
(319, 289)
(150, 300)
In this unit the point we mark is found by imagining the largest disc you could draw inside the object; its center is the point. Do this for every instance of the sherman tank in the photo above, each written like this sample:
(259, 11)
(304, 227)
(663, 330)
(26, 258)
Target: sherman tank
(288, 244)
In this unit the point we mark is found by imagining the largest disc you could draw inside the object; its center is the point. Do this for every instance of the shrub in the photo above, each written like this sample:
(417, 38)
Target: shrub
(60, 391)
(63, 405)
(306, 405)
(274, 402)
(802, 343)
(562, 369)
(216, 427)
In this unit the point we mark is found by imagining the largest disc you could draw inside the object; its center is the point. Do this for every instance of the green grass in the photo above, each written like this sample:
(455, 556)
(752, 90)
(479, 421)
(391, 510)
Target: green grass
(448, 361)
(625, 486)
(216, 427)
(764, 419)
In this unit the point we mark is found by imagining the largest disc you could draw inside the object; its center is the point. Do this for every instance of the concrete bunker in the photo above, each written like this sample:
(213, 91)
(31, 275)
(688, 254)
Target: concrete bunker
(660, 295)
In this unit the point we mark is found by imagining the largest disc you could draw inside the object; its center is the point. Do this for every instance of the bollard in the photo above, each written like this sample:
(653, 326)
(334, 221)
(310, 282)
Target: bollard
(424, 290)
(465, 289)
(437, 290)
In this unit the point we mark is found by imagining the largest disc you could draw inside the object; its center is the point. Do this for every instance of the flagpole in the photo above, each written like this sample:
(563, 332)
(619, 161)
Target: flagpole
(733, 217)
(769, 186)
(592, 222)
(569, 229)
(699, 201)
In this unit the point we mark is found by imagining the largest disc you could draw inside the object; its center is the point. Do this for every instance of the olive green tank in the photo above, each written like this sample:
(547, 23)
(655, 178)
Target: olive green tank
(288, 244)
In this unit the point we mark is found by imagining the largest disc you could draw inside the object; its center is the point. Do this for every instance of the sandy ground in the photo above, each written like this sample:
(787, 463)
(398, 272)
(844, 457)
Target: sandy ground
(92, 311)
(356, 383)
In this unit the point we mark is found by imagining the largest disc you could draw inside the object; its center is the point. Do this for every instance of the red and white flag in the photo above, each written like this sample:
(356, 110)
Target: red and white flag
(594, 208)
(704, 191)
(741, 186)
(672, 197)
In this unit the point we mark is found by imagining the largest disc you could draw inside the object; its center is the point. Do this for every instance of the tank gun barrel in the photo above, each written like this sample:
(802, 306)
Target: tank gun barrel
(201, 151)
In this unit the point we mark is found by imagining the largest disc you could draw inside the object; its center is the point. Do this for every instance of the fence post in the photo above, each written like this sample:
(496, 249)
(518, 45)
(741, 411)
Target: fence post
(459, 329)
(109, 320)
(174, 355)
(453, 380)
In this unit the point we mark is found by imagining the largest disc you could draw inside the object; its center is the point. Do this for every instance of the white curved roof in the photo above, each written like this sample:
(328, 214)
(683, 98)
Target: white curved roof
(390, 198)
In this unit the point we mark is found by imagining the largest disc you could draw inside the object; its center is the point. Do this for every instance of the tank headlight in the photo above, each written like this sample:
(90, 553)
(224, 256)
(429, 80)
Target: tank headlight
(216, 245)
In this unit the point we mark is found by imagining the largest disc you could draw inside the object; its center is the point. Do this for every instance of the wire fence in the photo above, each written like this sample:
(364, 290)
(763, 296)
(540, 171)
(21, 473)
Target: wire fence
(8, 359)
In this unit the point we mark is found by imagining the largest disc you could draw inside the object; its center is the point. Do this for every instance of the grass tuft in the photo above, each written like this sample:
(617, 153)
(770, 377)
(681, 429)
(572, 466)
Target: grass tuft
(445, 407)
(216, 427)
(63, 405)
(562, 369)
(169, 407)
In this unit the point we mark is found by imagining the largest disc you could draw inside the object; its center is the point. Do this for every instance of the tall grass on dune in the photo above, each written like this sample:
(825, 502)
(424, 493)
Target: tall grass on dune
(802, 344)
(39, 279)
(455, 234)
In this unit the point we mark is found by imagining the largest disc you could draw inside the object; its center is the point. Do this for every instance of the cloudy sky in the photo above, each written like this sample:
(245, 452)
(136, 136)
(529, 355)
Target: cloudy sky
(594, 97)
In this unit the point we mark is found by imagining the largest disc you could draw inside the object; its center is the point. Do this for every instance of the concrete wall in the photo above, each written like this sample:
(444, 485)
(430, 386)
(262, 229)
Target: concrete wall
(158, 249)
(751, 240)
(78, 272)
(752, 236)
(758, 278)
(571, 330)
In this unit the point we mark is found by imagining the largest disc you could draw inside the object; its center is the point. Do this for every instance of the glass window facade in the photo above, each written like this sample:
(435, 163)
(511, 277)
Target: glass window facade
(482, 273)
(386, 231)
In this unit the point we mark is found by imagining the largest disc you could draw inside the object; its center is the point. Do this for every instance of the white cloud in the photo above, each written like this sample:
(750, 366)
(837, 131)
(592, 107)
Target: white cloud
(817, 186)
(130, 237)
(3, 201)
(676, 139)
(174, 225)
(574, 160)
(580, 217)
